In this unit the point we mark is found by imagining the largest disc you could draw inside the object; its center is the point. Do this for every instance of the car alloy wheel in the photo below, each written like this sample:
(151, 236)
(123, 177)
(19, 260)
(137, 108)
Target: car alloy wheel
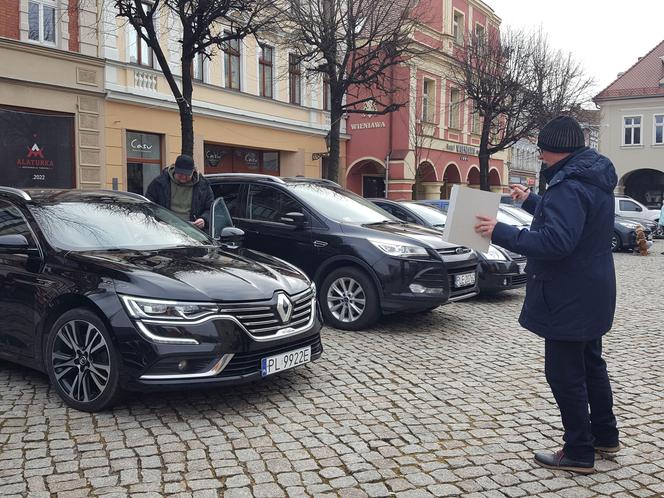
(81, 361)
(346, 299)
(615, 242)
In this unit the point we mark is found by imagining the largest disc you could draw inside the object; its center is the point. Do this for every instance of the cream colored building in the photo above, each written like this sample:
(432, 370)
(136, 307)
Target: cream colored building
(51, 97)
(244, 120)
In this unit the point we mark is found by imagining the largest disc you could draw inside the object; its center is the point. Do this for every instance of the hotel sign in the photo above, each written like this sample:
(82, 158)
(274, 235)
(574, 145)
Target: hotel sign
(465, 150)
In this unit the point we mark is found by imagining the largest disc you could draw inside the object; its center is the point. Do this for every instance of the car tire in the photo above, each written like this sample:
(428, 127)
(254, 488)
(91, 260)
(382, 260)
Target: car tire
(616, 244)
(349, 299)
(81, 361)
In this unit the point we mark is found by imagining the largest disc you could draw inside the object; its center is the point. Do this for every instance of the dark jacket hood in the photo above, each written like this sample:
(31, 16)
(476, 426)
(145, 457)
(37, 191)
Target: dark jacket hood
(588, 166)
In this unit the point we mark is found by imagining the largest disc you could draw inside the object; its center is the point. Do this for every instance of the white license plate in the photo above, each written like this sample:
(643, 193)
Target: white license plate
(285, 361)
(464, 279)
(522, 267)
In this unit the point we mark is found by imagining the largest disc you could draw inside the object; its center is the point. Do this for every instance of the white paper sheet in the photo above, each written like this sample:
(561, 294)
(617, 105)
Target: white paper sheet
(465, 205)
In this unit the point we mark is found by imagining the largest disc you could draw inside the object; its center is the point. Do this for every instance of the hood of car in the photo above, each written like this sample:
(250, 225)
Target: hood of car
(196, 274)
(406, 232)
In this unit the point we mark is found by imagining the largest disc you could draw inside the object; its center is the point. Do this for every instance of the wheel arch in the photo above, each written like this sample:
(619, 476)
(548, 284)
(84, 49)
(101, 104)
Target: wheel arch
(341, 261)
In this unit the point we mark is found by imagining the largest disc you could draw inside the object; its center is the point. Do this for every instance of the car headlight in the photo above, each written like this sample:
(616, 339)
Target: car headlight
(400, 250)
(156, 309)
(494, 254)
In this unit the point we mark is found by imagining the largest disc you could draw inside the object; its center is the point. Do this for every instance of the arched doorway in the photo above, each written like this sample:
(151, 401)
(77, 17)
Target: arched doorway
(367, 178)
(426, 173)
(473, 178)
(494, 181)
(451, 177)
(646, 186)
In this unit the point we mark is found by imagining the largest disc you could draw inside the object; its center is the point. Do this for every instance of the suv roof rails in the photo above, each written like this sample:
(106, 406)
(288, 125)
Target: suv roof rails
(16, 191)
(125, 193)
(254, 176)
(300, 178)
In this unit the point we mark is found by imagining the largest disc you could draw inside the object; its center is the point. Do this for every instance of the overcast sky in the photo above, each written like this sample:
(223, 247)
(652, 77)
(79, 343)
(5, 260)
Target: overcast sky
(606, 37)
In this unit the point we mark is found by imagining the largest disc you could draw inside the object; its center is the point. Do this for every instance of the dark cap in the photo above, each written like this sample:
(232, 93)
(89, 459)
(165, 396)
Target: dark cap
(184, 165)
(561, 134)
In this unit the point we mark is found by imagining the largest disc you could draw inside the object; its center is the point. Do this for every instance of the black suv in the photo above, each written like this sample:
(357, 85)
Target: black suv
(106, 291)
(364, 260)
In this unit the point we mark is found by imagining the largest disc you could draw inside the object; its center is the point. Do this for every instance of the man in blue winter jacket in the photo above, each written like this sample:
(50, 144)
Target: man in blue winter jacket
(571, 289)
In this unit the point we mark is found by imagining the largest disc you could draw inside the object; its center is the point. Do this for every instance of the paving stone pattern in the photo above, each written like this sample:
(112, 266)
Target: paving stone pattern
(448, 403)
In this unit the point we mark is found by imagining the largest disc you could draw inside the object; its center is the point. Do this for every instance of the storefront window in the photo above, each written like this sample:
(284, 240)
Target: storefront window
(143, 160)
(224, 159)
(36, 149)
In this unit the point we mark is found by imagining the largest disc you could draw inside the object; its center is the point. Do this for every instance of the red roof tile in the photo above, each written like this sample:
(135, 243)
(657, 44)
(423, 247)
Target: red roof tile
(644, 79)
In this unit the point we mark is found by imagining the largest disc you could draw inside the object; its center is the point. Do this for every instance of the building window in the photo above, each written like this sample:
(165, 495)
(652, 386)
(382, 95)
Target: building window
(454, 108)
(659, 129)
(327, 97)
(480, 33)
(632, 130)
(143, 160)
(41, 21)
(225, 159)
(232, 63)
(458, 27)
(429, 101)
(198, 68)
(266, 69)
(139, 51)
(294, 79)
(476, 120)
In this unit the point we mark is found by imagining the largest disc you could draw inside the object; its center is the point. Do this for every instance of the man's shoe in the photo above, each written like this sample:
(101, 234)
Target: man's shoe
(608, 449)
(559, 461)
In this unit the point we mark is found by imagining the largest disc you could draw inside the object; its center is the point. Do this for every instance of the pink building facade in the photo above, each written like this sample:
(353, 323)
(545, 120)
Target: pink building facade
(431, 143)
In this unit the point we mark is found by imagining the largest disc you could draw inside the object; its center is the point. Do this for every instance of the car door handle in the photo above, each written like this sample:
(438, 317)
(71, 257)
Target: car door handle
(319, 243)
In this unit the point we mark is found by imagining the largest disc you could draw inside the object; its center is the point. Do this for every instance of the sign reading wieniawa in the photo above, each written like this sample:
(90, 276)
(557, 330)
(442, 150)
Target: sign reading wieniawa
(366, 126)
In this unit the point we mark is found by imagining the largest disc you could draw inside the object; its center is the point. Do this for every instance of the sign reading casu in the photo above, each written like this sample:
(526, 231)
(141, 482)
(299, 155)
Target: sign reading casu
(36, 150)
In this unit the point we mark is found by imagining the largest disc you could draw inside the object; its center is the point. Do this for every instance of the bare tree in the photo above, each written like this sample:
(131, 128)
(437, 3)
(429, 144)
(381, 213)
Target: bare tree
(517, 83)
(355, 45)
(205, 26)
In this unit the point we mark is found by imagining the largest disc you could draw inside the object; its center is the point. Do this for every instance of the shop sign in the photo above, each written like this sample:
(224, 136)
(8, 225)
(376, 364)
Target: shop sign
(143, 145)
(36, 150)
(465, 150)
(214, 155)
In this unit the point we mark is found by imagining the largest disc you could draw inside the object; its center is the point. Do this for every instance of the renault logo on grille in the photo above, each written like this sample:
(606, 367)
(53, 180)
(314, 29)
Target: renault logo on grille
(284, 308)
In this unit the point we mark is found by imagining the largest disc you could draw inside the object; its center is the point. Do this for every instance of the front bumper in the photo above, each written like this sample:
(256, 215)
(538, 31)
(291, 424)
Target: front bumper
(224, 350)
(496, 276)
(399, 276)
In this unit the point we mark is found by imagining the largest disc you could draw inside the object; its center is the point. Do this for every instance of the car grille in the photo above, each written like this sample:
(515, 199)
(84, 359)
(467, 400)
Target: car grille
(248, 363)
(262, 319)
(453, 251)
(433, 278)
(519, 279)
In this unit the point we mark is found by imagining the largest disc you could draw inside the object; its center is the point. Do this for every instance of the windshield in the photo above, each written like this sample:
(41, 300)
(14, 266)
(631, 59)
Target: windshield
(431, 214)
(104, 224)
(340, 205)
(508, 219)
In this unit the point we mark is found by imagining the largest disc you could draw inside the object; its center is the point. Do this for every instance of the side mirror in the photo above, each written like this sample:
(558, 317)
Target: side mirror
(231, 238)
(14, 243)
(295, 219)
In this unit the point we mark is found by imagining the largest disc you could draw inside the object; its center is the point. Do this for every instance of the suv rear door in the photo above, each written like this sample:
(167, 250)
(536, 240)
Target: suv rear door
(266, 230)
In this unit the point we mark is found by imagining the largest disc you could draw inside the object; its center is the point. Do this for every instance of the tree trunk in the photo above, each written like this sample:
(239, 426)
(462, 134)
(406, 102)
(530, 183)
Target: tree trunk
(333, 160)
(484, 170)
(186, 111)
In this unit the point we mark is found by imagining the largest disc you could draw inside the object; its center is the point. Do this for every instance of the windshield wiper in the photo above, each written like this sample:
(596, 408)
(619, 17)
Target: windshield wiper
(386, 222)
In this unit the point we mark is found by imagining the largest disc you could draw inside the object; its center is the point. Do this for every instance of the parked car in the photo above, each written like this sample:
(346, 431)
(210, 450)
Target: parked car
(502, 216)
(624, 233)
(631, 208)
(517, 212)
(499, 269)
(107, 292)
(365, 261)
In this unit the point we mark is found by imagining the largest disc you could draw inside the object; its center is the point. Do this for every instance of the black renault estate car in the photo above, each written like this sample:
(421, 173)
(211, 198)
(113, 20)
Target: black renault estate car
(107, 292)
(364, 261)
(499, 269)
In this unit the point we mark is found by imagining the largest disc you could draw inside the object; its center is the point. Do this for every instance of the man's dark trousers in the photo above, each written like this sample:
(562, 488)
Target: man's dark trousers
(578, 378)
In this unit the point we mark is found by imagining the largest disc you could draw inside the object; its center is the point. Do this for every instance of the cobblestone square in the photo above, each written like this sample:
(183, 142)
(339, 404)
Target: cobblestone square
(448, 403)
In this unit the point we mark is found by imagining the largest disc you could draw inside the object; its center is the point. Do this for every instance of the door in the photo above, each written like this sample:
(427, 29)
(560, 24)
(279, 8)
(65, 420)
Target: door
(373, 186)
(19, 279)
(268, 229)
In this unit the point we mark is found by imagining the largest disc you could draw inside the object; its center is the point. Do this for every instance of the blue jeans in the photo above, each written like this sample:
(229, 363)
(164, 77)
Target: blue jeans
(578, 379)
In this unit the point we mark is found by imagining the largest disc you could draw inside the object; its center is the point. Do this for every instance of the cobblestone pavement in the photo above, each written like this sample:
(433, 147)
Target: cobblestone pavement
(452, 402)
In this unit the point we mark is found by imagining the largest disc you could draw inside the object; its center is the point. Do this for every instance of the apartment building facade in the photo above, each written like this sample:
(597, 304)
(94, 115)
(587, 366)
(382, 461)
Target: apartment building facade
(432, 143)
(51, 95)
(255, 109)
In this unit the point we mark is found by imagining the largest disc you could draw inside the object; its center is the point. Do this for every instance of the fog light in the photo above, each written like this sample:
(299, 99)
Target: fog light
(417, 288)
(504, 282)
(182, 366)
